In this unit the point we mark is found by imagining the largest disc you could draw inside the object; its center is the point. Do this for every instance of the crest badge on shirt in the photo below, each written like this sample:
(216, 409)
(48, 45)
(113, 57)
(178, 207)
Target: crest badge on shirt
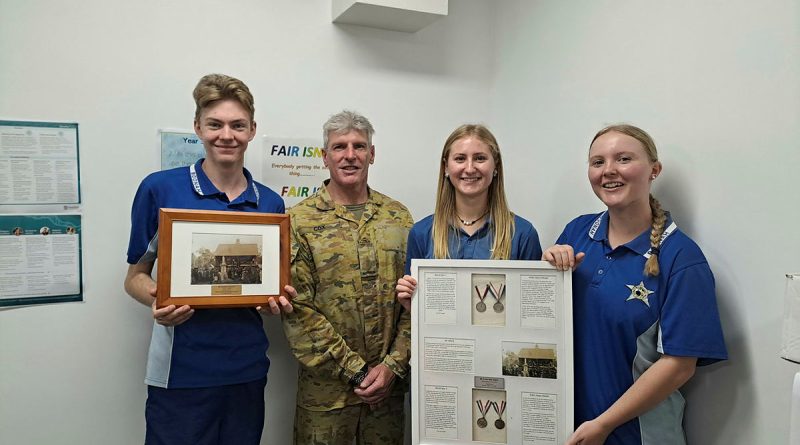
(639, 292)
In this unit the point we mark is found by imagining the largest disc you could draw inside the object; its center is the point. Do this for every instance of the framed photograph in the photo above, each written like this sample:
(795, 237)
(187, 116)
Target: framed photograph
(216, 259)
(491, 353)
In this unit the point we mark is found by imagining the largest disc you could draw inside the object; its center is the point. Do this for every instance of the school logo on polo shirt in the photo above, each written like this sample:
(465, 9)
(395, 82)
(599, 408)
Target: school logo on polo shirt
(639, 292)
(195, 180)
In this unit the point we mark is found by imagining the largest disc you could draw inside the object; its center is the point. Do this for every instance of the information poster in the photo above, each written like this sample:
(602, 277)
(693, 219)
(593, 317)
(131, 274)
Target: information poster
(39, 163)
(491, 353)
(180, 148)
(293, 167)
(40, 259)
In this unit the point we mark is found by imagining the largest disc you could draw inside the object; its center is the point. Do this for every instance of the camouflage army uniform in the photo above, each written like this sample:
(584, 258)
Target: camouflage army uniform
(346, 314)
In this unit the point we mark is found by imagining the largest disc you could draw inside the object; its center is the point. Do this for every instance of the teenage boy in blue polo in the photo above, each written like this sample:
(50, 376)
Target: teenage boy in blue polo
(207, 368)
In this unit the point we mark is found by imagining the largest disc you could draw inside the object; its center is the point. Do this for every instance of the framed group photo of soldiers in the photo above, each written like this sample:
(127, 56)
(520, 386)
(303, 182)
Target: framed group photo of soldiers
(221, 259)
(491, 353)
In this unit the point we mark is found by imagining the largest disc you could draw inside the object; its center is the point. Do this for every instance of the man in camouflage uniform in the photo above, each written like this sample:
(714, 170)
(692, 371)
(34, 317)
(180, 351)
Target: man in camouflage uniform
(348, 331)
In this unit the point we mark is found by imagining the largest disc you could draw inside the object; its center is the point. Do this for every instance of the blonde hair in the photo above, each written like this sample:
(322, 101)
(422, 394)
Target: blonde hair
(215, 87)
(502, 220)
(658, 214)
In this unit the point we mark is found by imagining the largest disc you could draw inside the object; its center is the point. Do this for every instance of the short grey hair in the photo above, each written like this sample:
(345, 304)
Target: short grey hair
(344, 122)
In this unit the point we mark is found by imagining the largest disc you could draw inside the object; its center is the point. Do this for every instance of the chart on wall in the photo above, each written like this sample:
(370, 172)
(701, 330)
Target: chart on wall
(40, 259)
(39, 163)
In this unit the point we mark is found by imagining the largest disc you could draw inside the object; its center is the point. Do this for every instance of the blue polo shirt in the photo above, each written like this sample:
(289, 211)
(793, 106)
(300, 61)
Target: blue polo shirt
(478, 246)
(624, 321)
(215, 346)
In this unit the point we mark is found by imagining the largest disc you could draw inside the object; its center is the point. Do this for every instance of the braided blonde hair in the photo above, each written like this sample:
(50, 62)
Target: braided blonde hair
(659, 216)
(659, 221)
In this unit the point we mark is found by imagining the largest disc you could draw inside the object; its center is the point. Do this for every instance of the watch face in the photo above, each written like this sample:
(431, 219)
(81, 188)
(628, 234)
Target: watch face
(358, 377)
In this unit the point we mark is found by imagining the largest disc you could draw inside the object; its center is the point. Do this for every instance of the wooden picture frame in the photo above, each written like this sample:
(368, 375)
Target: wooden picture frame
(218, 259)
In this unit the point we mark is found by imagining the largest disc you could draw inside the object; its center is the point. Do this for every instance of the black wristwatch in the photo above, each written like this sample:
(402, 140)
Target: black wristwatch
(359, 376)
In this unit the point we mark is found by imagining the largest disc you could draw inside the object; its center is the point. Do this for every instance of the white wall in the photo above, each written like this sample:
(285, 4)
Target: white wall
(715, 82)
(73, 373)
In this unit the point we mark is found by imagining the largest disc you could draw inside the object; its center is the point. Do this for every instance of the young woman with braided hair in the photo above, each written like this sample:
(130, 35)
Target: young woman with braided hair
(644, 306)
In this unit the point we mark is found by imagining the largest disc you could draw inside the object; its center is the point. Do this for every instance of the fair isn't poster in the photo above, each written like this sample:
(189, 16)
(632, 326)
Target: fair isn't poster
(293, 167)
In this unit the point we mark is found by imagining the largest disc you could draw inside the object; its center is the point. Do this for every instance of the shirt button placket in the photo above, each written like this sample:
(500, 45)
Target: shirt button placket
(602, 270)
(369, 281)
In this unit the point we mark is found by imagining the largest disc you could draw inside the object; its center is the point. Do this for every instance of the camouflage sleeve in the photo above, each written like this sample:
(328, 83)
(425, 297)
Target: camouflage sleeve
(400, 351)
(312, 338)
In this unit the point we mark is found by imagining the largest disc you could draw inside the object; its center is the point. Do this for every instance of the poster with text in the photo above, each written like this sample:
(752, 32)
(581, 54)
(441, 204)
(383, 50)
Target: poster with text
(293, 167)
(39, 163)
(40, 259)
(180, 148)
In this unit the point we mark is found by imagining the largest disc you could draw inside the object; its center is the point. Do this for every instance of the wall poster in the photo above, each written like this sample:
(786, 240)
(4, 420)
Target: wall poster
(39, 163)
(179, 148)
(491, 353)
(293, 167)
(40, 259)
